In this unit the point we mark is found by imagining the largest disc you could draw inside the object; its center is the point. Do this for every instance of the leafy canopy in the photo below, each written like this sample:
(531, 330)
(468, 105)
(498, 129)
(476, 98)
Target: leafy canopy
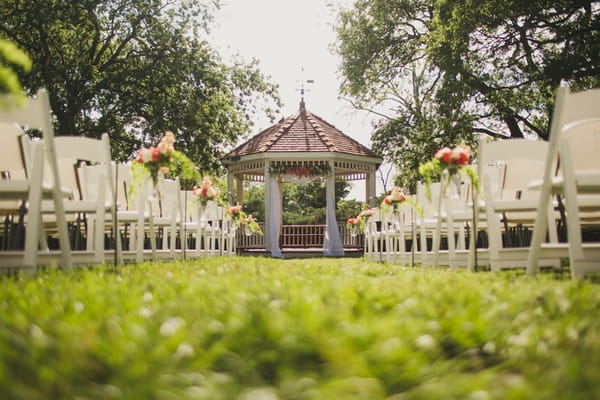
(443, 72)
(135, 69)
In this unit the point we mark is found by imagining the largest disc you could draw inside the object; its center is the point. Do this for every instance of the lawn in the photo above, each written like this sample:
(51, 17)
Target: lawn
(262, 329)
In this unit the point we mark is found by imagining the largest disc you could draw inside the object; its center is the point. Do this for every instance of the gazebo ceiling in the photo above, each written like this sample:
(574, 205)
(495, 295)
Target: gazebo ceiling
(300, 133)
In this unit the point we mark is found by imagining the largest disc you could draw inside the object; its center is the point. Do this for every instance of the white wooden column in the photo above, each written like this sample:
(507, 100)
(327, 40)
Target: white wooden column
(230, 179)
(370, 187)
(239, 192)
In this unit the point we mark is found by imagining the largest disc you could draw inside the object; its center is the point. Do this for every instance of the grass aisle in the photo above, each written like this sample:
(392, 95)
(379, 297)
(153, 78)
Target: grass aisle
(264, 329)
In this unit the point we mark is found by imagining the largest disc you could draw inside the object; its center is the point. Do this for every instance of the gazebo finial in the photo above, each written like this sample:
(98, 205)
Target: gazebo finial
(302, 81)
(302, 105)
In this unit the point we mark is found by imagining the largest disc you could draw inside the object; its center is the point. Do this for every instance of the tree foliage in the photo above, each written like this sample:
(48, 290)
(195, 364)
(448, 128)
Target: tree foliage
(12, 58)
(136, 68)
(302, 204)
(440, 72)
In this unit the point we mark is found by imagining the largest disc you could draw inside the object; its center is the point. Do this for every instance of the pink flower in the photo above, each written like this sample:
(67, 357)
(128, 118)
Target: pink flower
(461, 154)
(233, 210)
(396, 195)
(144, 155)
(166, 144)
(367, 213)
(155, 154)
(444, 154)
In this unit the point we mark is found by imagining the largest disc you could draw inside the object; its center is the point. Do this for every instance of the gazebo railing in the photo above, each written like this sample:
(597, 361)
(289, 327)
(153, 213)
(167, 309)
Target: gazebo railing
(300, 236)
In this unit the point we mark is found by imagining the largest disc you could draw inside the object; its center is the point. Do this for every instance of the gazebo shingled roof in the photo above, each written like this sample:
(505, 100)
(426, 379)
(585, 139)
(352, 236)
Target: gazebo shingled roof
(301, 132)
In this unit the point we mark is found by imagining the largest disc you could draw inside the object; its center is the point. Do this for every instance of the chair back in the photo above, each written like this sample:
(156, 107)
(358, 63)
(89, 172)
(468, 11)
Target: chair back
(510, 166)
(36, 114)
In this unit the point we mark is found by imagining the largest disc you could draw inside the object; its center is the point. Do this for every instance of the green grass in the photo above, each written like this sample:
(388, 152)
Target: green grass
(257, 328)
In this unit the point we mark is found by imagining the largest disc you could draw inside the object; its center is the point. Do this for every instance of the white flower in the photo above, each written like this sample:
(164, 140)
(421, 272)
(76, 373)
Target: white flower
(456, 152)
(489, 348)
(145, 312)
(425, 342)
(147, 297)
(184, 350)
(171, 326)
(79, 307)
(146, 155)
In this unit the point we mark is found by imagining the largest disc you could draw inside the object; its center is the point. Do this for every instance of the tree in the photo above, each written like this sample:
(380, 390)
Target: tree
(306, 204)
(136, 68)
(384, 60)
(441, 72)
(509, 57)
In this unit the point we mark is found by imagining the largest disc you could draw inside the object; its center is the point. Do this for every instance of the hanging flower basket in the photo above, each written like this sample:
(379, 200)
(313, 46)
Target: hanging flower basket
(300, 173)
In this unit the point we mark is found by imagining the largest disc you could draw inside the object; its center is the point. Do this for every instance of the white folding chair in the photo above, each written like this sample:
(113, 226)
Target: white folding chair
(135, 217)
(574, 145)
(506, 167)
(450, 222)
(36, 115)
(373, 237)
(426, 223)
(168, 217)
(85, 169)
(397, 226)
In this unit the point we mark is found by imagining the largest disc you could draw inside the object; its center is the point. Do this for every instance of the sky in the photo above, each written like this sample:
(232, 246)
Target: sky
(291, 39)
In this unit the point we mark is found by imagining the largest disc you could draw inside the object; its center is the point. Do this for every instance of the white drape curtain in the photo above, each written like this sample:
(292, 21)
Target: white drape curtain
(332, 243)
(275, 216)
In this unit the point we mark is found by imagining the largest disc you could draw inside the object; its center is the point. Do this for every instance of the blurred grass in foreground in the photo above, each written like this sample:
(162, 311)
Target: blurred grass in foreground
(258, 328)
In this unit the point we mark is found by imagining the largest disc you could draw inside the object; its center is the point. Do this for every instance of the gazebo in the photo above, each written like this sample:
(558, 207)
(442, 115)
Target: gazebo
(301, 148)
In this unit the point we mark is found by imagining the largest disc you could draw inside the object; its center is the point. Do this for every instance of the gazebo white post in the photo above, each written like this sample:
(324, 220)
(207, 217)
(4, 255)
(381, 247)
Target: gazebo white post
(267, 233)
(370, 187)
(230, 178)
(239, 190)
(332, 243)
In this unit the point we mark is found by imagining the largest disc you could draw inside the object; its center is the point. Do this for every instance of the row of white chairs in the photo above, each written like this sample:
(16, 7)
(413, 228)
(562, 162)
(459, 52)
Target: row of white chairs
(537, 202)
(65, 202)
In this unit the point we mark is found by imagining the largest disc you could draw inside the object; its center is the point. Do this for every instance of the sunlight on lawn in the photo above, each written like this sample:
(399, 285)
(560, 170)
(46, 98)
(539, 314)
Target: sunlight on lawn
(258, 328)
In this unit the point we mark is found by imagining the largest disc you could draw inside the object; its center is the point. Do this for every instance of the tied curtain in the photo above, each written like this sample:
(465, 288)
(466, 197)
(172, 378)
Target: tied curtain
(275, 217)
(332, 244)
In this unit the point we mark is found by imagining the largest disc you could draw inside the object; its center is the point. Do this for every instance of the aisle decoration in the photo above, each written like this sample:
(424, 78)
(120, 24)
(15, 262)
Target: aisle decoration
(205, 192)
(250, 225)
(396, 198)
(240, 218)
(360, 222)
(156, 161)
(447, 163)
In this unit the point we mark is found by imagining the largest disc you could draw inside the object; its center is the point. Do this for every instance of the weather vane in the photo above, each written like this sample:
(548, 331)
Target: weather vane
(302, 82)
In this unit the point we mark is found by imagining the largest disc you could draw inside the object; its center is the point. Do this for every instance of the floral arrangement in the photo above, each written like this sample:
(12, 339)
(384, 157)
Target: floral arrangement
(360, 221)
(300, 170)
(451, 160)
(355, 223)
(205, 193)
(159, 160)
(239, 217)
(250, 223)
(392, 201)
